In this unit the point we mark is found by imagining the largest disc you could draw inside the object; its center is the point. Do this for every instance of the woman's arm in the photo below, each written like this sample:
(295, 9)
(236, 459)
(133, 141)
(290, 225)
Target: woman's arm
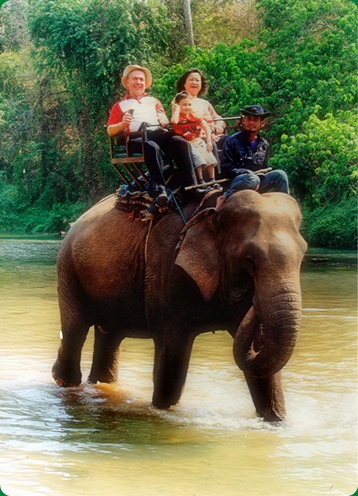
(205, 127)
(218, 125)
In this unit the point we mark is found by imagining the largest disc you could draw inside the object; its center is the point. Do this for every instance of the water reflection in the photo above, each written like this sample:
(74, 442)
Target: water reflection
(108, 438)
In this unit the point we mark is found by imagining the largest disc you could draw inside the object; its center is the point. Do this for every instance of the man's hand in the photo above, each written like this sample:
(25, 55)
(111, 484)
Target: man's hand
(220, 127)
(162, 119)
(163, 123)
(215, 137)
(127, 117)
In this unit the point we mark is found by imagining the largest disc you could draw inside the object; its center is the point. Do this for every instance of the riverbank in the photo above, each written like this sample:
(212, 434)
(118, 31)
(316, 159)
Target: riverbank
(329, 227)
(333, 258)
(315, 257)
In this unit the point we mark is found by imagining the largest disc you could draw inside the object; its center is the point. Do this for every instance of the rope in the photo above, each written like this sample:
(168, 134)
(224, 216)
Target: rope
(146, 241)
(177, 205)
(151, 224)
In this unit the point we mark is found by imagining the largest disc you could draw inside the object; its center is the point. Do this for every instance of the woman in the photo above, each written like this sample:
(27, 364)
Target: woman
(194, 82)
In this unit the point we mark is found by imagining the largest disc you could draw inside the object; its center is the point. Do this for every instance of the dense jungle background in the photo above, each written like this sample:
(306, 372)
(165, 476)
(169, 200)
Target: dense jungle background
(60, 66)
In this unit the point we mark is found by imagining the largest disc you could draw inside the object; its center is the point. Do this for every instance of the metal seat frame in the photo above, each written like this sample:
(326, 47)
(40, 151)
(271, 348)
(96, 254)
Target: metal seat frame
(123, 162)
(130, 167)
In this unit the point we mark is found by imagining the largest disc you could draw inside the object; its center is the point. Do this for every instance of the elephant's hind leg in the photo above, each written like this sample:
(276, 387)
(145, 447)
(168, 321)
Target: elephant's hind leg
(105, 356)
(267, 395)
(66, 371)
(170, 369)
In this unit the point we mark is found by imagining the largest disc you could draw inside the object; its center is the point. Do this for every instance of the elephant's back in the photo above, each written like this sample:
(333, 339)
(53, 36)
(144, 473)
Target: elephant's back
(106, 221)
(104, 250)
(99, 209)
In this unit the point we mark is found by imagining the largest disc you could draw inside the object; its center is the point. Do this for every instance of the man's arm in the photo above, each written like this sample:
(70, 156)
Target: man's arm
(114, 129)
(118, 120)
(261, 155)
(162, 116)
(265, 164)
(115, 123)
(230, 159)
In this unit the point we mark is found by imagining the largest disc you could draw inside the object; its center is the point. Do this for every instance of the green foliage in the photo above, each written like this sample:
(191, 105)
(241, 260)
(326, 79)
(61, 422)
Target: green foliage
(14, 75)
(311, 53)
(332, 226)
(18, 217)
(229, 21)
(13, 33)
(229, 71)
(214, 21)
(55, 220)
(8, 206)
(321, 159)
(304, 69)
(297, 59)
(89, 43)
(82, 46)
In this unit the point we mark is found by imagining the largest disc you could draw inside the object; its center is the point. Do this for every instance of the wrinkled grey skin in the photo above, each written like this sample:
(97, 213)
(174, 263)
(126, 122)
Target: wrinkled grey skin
(236, 268)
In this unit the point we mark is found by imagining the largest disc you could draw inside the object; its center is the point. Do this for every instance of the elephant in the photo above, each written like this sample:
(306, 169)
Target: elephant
(234, 268)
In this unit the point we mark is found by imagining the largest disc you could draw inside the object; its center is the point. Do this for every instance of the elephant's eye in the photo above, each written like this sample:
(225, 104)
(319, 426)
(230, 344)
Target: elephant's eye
(249, 263)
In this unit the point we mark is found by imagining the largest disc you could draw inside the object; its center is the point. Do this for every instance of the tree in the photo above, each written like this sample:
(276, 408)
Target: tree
(2, 2)
(13, 27)
(311, 58)
(303, 67)
(297, 59)
(85, 45)
(188, 22)
(322, 159)
(213, 21)
(224, 21)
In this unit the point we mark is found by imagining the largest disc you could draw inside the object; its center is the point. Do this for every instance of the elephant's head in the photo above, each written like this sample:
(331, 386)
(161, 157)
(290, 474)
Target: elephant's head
(252, 245)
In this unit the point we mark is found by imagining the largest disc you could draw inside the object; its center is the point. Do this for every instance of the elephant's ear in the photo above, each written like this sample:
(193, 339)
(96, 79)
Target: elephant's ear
(199, 254)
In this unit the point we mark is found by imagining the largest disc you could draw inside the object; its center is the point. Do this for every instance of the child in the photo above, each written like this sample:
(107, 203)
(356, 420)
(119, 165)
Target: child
(189, 126)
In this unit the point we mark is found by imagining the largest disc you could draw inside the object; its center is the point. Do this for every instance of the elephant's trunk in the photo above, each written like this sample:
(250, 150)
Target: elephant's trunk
(267, 335)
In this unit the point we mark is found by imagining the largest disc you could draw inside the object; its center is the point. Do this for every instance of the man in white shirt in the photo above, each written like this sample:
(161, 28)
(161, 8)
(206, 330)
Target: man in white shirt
(137, 107)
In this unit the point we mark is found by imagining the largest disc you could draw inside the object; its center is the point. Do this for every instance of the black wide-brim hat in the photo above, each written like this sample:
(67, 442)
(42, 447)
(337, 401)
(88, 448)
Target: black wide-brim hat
(255, 110)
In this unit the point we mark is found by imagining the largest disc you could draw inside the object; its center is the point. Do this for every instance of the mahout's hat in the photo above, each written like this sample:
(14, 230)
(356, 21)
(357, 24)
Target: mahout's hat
(130, 68)
(255, 110)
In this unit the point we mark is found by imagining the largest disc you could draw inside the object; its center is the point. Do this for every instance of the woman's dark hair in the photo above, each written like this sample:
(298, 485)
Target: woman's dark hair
(204, 84)
(181, 96)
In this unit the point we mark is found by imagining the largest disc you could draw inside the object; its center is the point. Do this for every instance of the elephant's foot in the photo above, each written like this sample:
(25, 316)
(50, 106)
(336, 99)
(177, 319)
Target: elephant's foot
(105, 356)
(272, 416)
(108, 376)
(267, 395)
(65, 376)
(164, 402)
(170, 369)
(168, 386)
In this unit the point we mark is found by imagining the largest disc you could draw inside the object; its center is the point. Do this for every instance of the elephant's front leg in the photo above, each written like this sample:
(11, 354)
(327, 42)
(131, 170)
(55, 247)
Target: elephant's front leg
(267, 395)
(171, 362)
(105, 356)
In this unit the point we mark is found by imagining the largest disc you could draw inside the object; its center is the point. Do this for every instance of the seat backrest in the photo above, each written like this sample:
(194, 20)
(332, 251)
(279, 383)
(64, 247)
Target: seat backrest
(129, 166)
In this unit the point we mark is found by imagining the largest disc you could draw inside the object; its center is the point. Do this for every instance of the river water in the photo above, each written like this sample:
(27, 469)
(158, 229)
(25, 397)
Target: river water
(106, 439)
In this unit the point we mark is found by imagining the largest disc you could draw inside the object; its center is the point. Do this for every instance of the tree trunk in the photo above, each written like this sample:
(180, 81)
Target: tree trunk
(188, 22)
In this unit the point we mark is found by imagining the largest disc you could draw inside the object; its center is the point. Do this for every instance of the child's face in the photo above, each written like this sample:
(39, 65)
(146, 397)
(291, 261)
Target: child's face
(185, 105)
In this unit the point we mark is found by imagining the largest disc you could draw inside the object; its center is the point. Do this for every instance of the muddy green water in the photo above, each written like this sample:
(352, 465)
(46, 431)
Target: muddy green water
(108, 440)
